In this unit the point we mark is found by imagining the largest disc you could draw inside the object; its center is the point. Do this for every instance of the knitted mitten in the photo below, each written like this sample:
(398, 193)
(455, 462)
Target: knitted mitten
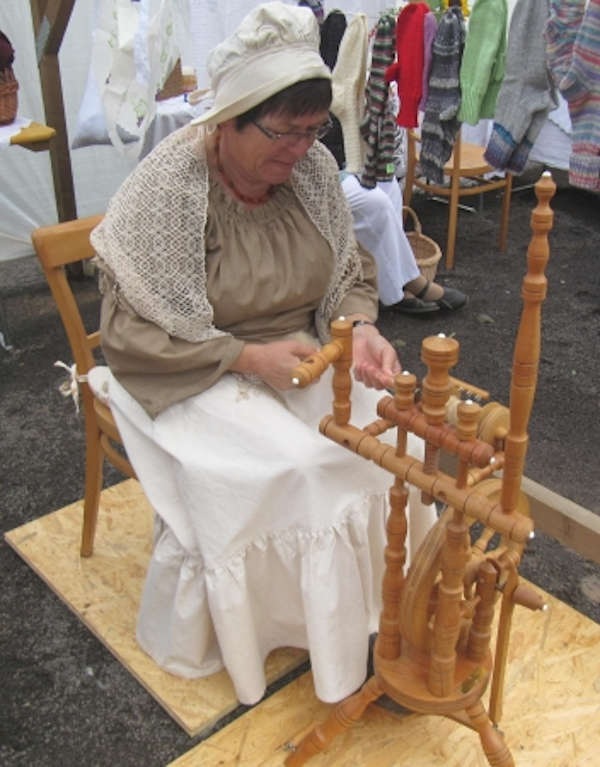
(348, 83)
(407, 70)
(375, 128)
(440, 123)
(526, 95)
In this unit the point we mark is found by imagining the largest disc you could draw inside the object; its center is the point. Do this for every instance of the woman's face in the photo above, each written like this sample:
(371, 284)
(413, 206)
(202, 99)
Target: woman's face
(260, 155)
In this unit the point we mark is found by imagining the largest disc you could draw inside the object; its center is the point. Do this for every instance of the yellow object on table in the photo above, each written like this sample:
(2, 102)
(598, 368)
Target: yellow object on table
(35, 137)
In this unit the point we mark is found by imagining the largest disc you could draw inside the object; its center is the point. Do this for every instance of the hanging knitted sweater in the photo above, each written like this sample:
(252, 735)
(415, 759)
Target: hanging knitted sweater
(378, 127)
(482, 66)
(526, 95)
(440, 123)
(573, 48)
(407, 70)
(348, 82)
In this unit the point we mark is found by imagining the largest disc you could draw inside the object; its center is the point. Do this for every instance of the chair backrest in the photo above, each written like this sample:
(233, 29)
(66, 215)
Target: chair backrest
(57, 246)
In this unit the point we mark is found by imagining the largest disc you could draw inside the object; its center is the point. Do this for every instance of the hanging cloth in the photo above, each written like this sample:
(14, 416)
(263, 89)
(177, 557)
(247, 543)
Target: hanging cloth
(135, 48)
(440, 123)
(348, 82)
(526, 95)
(407, 70)
(483, 61)
(332, 31)
(378, 127)
(429, 30)
(573, 48)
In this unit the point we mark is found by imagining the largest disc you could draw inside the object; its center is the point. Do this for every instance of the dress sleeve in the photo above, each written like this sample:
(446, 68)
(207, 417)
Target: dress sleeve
(157, 369)
(362, 298)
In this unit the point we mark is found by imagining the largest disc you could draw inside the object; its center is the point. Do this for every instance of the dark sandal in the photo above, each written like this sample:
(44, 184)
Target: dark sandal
(451, 299)
(415, 306)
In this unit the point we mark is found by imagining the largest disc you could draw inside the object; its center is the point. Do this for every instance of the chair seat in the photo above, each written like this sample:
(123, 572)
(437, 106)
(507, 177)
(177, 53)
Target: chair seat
(471, 160)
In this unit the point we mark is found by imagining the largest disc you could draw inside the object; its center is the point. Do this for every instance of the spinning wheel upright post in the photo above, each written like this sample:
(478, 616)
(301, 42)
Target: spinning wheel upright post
(433, 651)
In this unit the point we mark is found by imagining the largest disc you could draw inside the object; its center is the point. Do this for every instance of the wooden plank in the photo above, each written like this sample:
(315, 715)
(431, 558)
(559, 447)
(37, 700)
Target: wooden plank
(104, 592)
(572, 525)
(551, 719)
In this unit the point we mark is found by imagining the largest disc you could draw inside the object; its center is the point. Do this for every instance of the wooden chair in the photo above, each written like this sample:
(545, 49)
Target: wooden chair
(433, 652)
(466, 161)
(56, 247)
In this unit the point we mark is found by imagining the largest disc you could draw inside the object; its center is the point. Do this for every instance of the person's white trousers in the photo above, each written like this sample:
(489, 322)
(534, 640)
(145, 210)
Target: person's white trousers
(378, 226)
(268, 534)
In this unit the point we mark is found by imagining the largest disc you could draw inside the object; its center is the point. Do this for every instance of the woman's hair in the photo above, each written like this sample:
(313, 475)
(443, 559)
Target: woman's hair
(302, 98)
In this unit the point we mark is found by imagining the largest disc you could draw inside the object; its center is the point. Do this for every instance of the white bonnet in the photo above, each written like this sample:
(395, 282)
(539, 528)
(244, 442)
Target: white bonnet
(275, 46)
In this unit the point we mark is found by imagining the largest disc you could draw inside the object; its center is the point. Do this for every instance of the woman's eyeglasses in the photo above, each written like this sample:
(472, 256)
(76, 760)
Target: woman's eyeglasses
(292, 137)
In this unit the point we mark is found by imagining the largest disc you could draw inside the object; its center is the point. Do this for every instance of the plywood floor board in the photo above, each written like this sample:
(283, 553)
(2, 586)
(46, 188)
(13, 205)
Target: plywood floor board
(104, 592)
(551, 713)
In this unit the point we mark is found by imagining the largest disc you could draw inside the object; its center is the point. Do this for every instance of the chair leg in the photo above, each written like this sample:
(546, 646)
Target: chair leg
(93, 484)
(409, 178)
(452, 220)
(505, 212)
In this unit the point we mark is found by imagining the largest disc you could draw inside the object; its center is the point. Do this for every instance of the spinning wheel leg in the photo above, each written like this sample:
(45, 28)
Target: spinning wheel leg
(492, 742)
(343, 716)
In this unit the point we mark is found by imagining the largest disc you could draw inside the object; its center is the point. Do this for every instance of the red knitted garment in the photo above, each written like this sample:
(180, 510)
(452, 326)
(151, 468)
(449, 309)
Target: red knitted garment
(407, 70)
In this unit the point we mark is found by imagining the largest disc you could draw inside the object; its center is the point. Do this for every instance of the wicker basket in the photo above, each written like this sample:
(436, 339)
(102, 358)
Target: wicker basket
(173, 85)
(8, 96)
(427, 252)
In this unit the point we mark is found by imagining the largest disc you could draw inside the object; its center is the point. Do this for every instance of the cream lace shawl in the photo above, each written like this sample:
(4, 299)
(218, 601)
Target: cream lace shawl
(152, 237)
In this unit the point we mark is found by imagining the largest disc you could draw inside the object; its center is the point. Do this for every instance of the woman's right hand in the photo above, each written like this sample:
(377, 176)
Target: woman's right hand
(273, 362)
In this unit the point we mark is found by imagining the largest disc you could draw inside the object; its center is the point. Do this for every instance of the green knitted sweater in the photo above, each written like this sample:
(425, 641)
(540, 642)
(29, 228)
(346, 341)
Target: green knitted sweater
(482, 67)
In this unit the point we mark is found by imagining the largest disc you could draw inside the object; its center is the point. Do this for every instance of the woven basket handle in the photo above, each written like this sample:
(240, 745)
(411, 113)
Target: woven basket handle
(415, 218)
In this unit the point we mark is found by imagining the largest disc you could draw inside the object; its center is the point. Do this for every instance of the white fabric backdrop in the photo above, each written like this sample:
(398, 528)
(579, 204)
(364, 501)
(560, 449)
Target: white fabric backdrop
(26, 189)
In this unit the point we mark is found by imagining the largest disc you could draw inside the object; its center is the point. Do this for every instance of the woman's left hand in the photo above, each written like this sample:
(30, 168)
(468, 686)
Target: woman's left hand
(375, 359)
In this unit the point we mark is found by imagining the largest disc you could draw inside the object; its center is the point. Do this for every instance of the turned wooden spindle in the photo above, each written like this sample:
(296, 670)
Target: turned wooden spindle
(446, 625)
(527, 346)
(338, 352)
(480, 632)
(454, 557)
(341, 333)
(439, 353)
(466, 430)
(389, 639)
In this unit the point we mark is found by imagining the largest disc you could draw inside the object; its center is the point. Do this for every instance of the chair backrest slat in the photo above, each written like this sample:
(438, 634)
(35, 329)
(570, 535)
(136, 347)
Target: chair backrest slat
(56, 246)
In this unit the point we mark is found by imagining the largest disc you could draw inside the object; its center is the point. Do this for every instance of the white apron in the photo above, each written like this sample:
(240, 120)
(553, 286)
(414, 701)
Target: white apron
(268, 534)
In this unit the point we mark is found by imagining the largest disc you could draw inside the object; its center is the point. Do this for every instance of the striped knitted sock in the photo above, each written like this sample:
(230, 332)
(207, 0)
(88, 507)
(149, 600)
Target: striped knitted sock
(377, 97)
(559, 34)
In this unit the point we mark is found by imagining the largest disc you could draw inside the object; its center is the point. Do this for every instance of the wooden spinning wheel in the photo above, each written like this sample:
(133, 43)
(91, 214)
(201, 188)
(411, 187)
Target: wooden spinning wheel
(433, 652)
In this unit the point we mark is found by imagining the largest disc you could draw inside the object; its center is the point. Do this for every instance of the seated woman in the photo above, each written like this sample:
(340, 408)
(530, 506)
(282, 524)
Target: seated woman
(224, 256)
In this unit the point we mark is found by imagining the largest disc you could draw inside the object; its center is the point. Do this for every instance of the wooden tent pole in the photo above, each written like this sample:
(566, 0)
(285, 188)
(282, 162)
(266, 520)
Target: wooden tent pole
(50, 19)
